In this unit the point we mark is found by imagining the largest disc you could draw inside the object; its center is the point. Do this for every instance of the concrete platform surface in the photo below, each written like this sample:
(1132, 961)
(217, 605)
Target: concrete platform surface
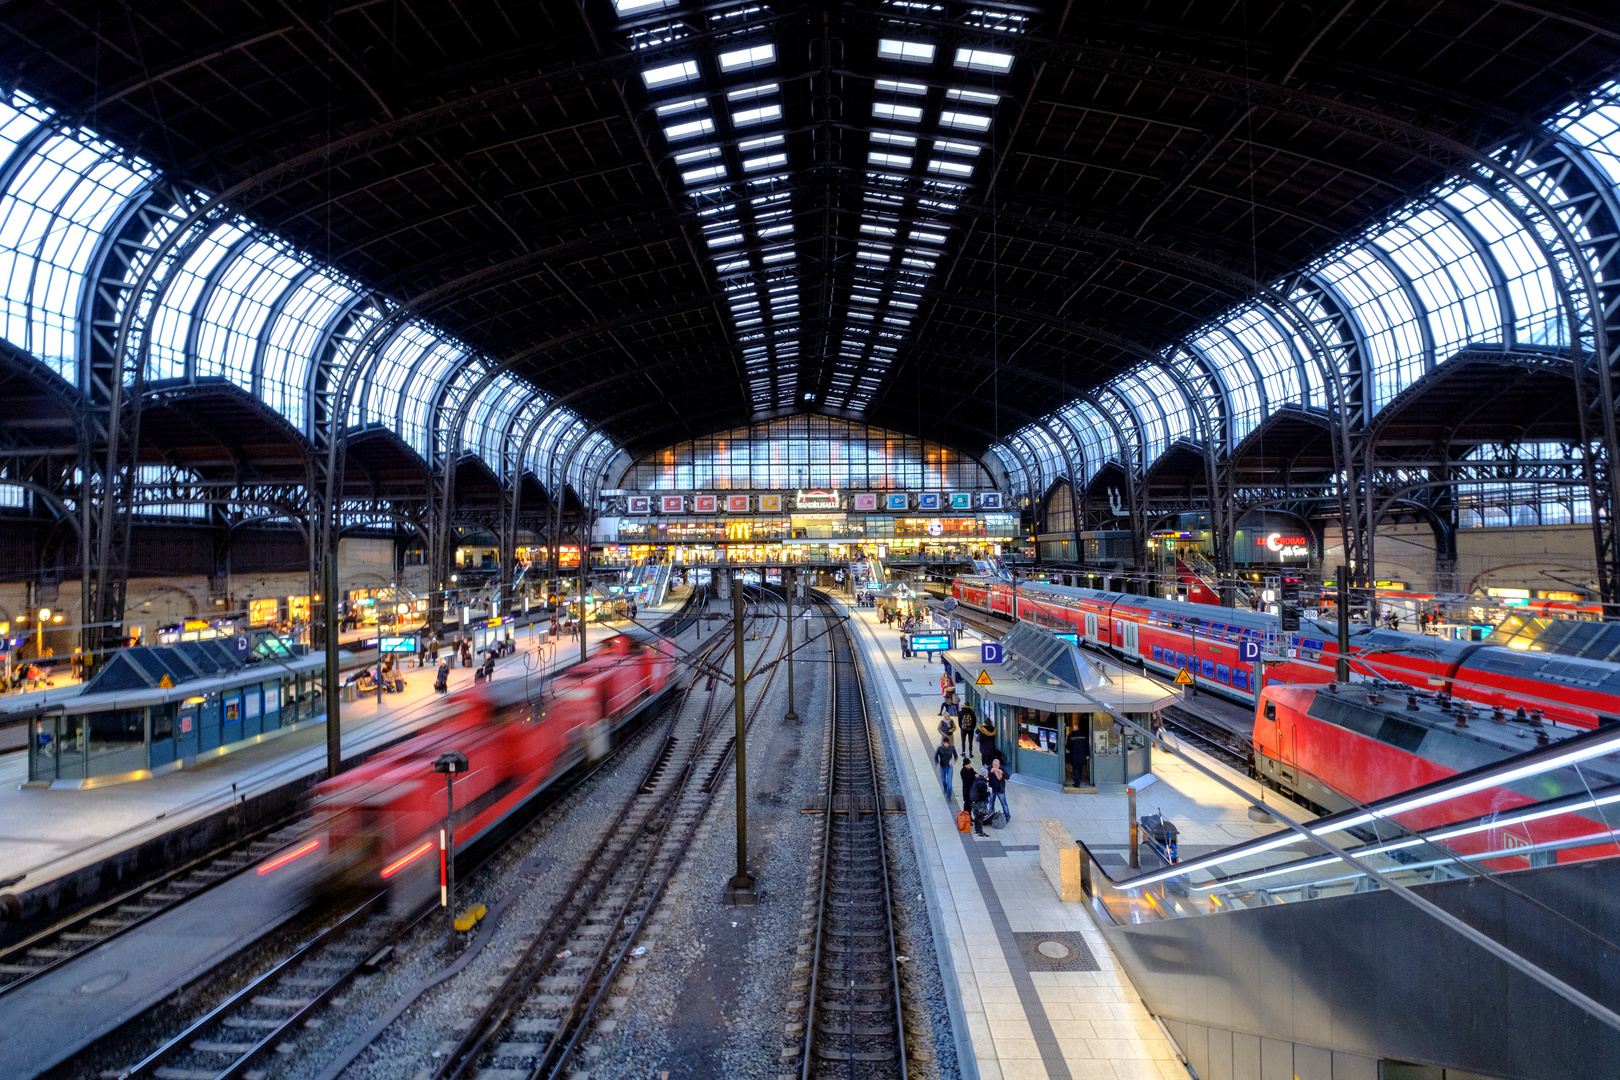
(1027, 1017)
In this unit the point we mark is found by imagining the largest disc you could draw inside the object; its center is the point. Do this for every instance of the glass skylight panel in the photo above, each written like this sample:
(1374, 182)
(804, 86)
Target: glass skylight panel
(749, 93)
(914, 52)
(965, 121)
(627, 8)
(893, 161)
(775, 230)
(973, 97)
(949, 167)
(965, 149)
(748, 146)
(887, 110)
(702, 153)
(764, 114)
(893, 138)
(890, 86)
(683, 71)
(729, 267)
(676, 108)
(928, 237)
(727, 239)
(776, 257)
(876, 230)
(701, 126)
(767, 161)
(752, 57)
(700, 176)
(984, 60)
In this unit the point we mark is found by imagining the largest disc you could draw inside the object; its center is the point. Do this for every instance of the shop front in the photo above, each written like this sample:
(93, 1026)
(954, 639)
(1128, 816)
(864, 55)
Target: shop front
(1058, 711)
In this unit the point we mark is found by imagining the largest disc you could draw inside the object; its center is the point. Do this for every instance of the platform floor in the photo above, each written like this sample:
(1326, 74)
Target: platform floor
(1024, 1020)
(45, 833)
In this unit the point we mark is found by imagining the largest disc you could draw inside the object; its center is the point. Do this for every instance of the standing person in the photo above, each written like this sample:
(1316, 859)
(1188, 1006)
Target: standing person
(998, 790)
(441, 681)
(466, 652)
(905, 646)
(979, 799)
(1078, 750)
(969, 776)
(987, 741)
(966, 721)
(433, 648)
(945, 761)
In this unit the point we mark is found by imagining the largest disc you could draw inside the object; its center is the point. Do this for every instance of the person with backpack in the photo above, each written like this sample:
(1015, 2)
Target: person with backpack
(966, 719)
(945, 761)
(979, 800)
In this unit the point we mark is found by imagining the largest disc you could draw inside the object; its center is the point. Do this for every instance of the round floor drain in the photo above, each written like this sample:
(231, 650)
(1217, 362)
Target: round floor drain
(1054, 950)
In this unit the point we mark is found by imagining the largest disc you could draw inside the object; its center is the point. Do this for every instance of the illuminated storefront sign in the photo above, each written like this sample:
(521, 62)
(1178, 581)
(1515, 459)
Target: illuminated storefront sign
(1286, 546)
(263, 612)
(818, 500)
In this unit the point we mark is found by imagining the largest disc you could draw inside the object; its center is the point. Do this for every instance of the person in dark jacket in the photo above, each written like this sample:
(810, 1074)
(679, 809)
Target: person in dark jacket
(979, 803)
(945, 762)
(1078, 748)
(441, 682)
(998, 790)
(987, 741)
(967, 719)
(969, 775)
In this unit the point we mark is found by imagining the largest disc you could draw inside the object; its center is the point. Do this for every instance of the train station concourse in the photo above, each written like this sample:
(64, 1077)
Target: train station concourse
(786, 539)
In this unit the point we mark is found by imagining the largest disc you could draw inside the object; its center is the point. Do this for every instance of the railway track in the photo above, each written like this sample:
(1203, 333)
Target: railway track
(227, 1041)
(537, 1019)
(853, 1022)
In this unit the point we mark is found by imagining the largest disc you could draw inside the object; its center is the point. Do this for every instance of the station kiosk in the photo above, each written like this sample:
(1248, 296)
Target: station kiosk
(1046, 690)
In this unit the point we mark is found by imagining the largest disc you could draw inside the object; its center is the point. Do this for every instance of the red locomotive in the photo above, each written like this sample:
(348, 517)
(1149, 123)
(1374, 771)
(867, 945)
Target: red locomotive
(1168, 636)
(1345, 745)
(381, 820)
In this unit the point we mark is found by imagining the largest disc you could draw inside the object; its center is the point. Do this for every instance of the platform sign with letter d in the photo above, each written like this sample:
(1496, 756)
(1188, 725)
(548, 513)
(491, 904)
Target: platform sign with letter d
(1248, 651)
(991, 653)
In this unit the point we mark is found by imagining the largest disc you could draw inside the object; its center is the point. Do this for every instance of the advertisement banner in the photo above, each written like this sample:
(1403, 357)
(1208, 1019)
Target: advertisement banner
(672, 504)
(736, 504)
(639, 504)
(962, 500)
(704, 504)
(770, 504)
(928, 502)
(990, 500)
(900, 502)
(866, 502)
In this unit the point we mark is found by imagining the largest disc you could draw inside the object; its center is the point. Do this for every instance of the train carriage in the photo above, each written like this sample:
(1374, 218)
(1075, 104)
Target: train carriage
(1168, 637)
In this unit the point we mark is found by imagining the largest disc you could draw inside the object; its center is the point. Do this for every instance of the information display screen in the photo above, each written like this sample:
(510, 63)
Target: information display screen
(397, 644)
(930, 642)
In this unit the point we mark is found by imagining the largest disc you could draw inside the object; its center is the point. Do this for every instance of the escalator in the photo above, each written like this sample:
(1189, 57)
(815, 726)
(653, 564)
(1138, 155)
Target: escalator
(1464, 928)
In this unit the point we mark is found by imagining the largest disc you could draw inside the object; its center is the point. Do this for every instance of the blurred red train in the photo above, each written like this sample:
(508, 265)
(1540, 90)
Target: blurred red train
(1168, 636)
(1358, 743)
(380, 821)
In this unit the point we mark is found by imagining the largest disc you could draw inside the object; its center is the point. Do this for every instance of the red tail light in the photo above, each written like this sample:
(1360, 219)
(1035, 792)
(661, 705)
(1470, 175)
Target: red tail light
(282, 860)
(405, 860)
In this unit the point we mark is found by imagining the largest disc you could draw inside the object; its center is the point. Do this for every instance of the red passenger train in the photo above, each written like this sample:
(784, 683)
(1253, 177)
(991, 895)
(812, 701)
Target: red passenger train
(1167, 636)
(380, 821)
(1356, 743)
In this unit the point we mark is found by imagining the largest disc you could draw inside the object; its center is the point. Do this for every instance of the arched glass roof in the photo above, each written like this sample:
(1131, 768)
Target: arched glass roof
(1467, 265)
(241, 304)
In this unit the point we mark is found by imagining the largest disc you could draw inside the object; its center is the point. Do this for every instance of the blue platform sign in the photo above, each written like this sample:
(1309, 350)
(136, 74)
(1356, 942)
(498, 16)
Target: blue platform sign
(990, 652)
(1072, 639)
(241, 643)
(1248, 651)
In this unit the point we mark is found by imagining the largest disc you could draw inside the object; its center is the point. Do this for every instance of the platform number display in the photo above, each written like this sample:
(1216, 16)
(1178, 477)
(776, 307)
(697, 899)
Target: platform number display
(1249, 651)
(991, 652)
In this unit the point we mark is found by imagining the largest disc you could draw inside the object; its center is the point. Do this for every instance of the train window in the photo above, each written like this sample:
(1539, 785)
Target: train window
(1223, 673)
(1181, 659)
(1207, 669)
(1158, 653)
(1271, 710)
(1240, 678)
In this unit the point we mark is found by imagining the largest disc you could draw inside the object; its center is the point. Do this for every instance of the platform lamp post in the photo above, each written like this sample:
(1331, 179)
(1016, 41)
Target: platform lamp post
(334, 709)
(789, 576)
(449, 763)
(740, 889)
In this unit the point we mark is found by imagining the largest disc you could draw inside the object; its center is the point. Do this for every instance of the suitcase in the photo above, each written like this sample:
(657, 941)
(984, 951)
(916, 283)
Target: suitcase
(1162, 831)
(964, 821)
